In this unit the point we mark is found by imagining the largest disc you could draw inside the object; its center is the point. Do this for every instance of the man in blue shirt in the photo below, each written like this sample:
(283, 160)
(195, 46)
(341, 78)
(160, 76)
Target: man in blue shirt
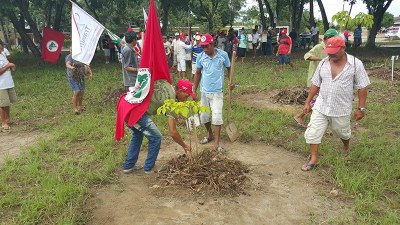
(210, 71)
(357, 36)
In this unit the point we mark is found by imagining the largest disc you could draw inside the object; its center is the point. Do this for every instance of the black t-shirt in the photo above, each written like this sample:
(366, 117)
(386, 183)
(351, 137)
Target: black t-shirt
(104, 42)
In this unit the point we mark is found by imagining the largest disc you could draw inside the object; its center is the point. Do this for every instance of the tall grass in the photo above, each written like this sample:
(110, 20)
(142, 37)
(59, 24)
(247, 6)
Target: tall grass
(52, 180)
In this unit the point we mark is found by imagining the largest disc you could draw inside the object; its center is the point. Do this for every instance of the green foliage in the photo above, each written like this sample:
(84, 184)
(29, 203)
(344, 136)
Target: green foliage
(185, 109)
(364, 19)
(388, 20)
(341, 18)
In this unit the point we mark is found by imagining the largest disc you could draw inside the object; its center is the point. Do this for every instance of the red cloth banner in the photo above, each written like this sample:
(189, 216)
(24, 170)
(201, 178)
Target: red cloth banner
(52, 43)
(153, 58)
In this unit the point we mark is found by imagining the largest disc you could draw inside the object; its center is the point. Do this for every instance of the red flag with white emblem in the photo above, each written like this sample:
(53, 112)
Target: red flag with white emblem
(52, 43)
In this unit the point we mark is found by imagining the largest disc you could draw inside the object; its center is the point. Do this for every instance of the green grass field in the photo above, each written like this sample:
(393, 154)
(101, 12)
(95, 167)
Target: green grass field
(52, 180)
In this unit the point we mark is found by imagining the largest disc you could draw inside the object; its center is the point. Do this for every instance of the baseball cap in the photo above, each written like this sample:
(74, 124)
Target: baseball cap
(330, 33)
(187, 87)
(198, 33)
(206, 39)
(283, 31)
(333, 45)
(176, 34)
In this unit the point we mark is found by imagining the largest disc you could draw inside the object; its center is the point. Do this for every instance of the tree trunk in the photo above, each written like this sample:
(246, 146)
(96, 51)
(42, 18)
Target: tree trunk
(378, 13)
(263, 20)
(49, 10)
(165, 16)
(210, 25)
(26, 40)
(297, 12)
(5, 31)
(270, 13)
(23, 6)
(323, 14)
(58, 16)
(312, 20)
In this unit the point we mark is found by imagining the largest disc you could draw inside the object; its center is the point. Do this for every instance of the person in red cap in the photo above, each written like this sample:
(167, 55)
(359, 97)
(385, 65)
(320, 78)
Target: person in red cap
(210, 66)
(334, 79)
(183, 90)
(284, 50)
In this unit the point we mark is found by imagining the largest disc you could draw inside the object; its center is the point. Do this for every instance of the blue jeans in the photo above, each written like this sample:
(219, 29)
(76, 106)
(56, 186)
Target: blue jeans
(144, 127)
(269, 47)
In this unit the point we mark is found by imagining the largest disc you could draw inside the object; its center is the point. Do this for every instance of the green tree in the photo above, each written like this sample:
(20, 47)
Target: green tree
(388, 20)
(377, 9)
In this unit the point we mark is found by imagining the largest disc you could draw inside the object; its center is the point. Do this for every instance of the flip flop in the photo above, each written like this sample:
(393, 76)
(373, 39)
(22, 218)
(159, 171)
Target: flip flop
(206, 140)
(133, 169)
(5, 128)
(309, 166)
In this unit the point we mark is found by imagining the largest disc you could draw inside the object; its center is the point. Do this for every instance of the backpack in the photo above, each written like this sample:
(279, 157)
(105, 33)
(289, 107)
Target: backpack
(162, 91)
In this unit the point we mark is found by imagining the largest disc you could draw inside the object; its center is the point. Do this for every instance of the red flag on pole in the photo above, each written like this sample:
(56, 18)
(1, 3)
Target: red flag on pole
(153, 58)
(52, 43)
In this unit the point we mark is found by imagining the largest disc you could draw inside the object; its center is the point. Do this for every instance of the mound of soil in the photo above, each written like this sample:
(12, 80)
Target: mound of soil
(209, 172)
(384, 73)
(112, 95)
(290, 96)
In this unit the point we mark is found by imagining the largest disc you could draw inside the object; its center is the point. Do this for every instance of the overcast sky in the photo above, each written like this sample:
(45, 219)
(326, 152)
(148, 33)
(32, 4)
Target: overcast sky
(334, 6)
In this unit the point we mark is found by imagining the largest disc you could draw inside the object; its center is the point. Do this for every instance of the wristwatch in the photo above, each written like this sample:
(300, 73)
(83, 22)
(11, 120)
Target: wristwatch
(362, 109)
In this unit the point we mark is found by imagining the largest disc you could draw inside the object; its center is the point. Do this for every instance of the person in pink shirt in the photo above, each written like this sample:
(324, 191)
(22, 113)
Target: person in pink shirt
(284, 50)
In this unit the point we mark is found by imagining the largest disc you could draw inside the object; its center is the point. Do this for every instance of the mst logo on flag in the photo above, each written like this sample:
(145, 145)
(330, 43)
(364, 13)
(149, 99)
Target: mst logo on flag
(86, 32)
(141, 89)
(52, 43)
(52, 46)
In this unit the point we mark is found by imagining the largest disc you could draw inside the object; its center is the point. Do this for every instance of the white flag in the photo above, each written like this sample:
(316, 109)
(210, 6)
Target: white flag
(144, 18)
(86, 32)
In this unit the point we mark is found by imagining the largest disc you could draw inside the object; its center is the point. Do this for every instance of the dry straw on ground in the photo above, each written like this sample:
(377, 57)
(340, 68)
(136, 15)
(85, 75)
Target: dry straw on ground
(290, 96)
(209, 172)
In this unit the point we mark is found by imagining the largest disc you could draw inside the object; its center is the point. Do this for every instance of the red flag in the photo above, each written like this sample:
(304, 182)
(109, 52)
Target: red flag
(52, 43)
(154, 58)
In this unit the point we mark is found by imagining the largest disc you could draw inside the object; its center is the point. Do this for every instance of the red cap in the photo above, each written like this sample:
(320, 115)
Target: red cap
(130, 28)
(198, 33)
(333, 45)
(283, 31)
(206, 39)
(187, 87)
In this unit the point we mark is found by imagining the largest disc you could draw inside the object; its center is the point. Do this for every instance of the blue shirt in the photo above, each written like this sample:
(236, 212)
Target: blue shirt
(196, 49)
(357, 32)
(212, 71)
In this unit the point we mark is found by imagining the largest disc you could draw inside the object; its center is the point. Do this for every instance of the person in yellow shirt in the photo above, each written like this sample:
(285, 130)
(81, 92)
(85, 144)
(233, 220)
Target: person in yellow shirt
(315, 55)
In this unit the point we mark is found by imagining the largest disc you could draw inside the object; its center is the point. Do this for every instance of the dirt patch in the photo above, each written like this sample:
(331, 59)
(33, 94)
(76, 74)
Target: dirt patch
(209, 172)
(295, 96)
(112, 95)
(384, 73)
(14, 142)
(276, 100)
(281, 194)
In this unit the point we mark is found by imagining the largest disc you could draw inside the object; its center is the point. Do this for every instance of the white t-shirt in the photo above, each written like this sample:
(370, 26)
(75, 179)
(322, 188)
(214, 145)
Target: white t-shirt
(314, 30)
(6, 80)
(255, 38)
(180, 47)
(5, 52)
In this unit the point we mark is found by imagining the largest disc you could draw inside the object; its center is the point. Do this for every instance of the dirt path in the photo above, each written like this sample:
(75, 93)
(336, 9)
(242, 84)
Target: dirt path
(12, 143)
(281, 194)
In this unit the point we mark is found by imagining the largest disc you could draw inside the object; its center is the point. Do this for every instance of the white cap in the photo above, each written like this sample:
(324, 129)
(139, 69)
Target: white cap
(176, 34)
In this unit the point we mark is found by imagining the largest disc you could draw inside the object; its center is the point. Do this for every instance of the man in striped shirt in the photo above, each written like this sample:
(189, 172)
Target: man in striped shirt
(334, 79)
(196, 49)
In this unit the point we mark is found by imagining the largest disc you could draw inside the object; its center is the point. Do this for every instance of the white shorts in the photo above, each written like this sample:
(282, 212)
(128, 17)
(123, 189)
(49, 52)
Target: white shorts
(216, 102)
(319, 123)
(181, 64)
(106, 52)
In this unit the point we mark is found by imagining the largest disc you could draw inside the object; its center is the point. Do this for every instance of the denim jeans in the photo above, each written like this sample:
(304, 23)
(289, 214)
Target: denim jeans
(264, 48)
(144, 127)
(269, 47)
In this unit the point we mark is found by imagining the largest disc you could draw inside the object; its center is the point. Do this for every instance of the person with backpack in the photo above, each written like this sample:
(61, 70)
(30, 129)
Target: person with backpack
(335, 78)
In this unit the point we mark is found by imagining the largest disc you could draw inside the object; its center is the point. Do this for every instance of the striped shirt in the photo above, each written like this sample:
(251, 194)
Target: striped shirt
(336, 96)
(196, 49)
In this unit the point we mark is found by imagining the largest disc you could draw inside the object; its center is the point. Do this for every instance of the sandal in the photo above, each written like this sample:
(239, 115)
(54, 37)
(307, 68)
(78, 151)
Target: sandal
(309, 166)
(133, 169)
(5, 128)
(206, 140)
(219, 149)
